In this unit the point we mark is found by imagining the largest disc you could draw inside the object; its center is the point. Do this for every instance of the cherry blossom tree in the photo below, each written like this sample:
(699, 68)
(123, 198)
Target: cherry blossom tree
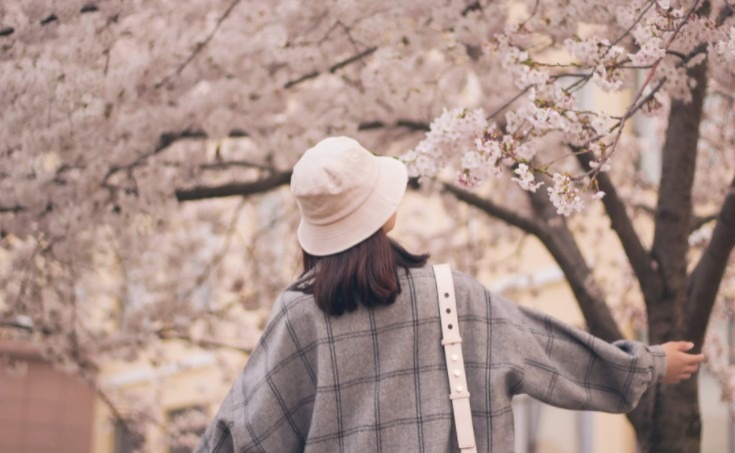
(119, 115)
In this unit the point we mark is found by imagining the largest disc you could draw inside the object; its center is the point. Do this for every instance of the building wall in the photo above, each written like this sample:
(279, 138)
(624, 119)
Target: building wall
(42, 409)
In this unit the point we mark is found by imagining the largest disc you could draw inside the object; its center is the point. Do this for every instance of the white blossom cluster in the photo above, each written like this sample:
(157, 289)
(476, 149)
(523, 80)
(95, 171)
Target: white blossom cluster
(602, 56)
(518, 64)
(455, 132)
(463, 139)
(727, 48)
(525, 178)
(549, 111)
(564, 195)
(455, 135)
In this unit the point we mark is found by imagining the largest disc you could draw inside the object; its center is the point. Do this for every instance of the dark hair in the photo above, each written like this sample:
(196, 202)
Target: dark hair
(366, 273)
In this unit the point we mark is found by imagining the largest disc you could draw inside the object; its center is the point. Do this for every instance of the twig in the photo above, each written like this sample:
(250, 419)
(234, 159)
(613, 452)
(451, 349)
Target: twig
(237, 163)
(638, 95)
(235, 189)
(332, 69)
(165, 140)
(533, 13)
(199, 46)
(12, 209)
(166, 334)
(201, 278)
(512, 100)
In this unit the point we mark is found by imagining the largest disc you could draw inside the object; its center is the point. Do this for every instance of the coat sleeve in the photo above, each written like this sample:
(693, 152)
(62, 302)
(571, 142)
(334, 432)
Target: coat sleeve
(569, 368)
(269, 406)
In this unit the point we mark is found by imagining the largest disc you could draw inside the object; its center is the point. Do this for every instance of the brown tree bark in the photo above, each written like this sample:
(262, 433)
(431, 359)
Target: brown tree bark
(675, 424)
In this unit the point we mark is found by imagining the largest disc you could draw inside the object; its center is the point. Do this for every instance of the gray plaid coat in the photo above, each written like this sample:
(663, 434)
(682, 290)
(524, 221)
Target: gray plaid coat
(376, 380)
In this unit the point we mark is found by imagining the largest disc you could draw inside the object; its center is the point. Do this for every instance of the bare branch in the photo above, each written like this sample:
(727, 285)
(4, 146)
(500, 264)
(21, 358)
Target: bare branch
(12, 209)
(165, 140)
(116, 413)
(512, 100)
(269, 183)
(217, 259)
(199, 46)
(489, 207)
(89, 8)
(530, 16)
(560, 242)
(236, 163)
(51, 18)
(16, 325)
(698, 222)
(202, 343)
(476, 6)
(728, 9)
(332, 69)
(408, 124)
(704, 281)
(553, 232)
(638, 256)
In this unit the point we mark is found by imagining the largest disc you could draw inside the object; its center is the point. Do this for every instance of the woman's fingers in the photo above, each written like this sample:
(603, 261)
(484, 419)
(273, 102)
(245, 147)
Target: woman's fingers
(683, 345)
(680, 364)
(695, 358)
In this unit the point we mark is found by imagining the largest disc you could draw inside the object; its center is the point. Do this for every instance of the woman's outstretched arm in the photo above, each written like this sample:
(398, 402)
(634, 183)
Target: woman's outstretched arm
(567, 367)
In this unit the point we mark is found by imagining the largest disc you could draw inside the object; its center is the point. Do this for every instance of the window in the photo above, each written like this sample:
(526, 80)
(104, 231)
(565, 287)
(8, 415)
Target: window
(186, 426)
(125, 441)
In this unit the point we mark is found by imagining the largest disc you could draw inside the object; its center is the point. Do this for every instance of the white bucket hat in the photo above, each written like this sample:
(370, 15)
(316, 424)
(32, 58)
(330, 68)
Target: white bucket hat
(345, 194)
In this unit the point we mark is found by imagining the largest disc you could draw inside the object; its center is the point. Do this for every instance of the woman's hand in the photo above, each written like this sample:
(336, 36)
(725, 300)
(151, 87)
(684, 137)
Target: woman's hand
(679, 364)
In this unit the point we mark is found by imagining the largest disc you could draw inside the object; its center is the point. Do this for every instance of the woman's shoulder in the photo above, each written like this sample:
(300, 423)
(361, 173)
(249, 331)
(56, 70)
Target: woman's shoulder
(292, 304)
(425, 274)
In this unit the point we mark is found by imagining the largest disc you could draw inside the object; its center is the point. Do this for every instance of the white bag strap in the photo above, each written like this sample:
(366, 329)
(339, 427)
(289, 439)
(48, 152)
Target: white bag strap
(452, 342)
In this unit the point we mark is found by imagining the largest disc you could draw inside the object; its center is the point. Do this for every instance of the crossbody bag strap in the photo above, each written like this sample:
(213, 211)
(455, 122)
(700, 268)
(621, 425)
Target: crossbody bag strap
(452, 342)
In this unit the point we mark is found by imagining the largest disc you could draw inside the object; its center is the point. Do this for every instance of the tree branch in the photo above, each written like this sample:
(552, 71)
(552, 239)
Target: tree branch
(700, 221)
(135, 436)
(408, 124)
(560, 242)
(271, 182)
(13, 209)
(704, 281)
(553, 232)
(89, 8)
(638, 256)
(223, 165)
(332, 69)
(492, 209)
(674, 210)
(696, 223)
(165, 140)
(51, 18)
(202, 343)
(199, 46)
(16, 325)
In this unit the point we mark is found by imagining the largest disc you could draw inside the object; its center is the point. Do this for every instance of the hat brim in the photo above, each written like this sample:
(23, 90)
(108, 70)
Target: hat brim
(383, 201)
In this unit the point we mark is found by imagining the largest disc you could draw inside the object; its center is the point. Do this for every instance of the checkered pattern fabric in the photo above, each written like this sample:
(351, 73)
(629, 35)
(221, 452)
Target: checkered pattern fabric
(376, 381)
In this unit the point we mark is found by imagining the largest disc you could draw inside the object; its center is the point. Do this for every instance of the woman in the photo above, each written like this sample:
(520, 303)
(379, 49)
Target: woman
(351, 358)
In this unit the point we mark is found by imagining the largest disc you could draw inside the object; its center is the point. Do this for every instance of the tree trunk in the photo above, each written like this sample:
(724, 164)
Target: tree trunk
(667, 418)
(671, 419)
(678, 426)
